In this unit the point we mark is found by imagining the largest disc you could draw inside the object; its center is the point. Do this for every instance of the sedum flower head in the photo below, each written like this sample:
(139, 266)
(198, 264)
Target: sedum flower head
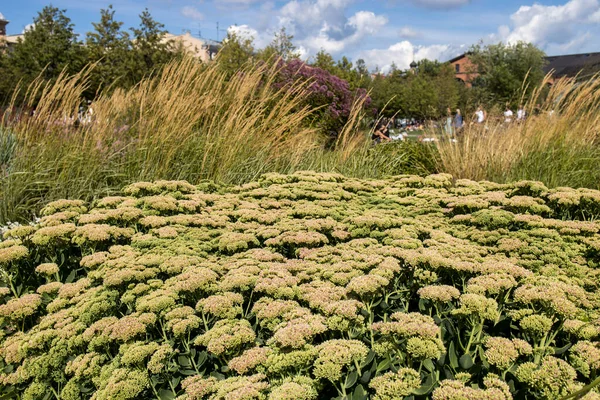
(477, 305)
(536, 325)
(500, 352)
(552, 379)
(439, 293)
(334, 355)
(47, 269)
(226, 305)
(158, 361)
(296, 388)
(236, 388)
(227, 336)
(407, 325)
(249, 359)
(495, 389)
(122, 384)
(367, 285)
(395, 385)
(585, 357)
(12, 253)
(19, 308)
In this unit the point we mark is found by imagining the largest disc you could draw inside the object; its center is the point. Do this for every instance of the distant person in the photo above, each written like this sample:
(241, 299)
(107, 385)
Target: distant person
(480, 115)
(508, 115)
(448, 124)
(381, 134)
(521, 113)
(458, 120)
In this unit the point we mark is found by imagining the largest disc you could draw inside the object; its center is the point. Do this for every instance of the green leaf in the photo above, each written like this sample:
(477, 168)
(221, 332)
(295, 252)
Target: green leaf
(71, 277)
(359, 393)
(175, 381)
(383, 365)
(466, 361)
(483, 358)
(351, 379)
(366, 377)
(165, 394)
(427, 387)
(452, 356)
(428, 364)
(369, 359)
(217, 375)
(202, 356)
(561, 350)
(184, 361)
(422, 306)
(188, 372)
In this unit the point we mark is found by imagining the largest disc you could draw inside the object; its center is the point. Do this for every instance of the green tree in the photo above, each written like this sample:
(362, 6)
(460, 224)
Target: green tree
(234, 53)
(344, 67)
(110, 48)
(361, 75)
(46, 49)
(151, 49)
(281, 46)
(324, 61)
(507, 69)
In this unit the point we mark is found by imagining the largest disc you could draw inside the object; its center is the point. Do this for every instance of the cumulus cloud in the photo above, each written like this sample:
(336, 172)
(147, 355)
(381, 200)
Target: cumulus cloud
(318, 24)
(192, 13)
(559, 26)
(404, 52)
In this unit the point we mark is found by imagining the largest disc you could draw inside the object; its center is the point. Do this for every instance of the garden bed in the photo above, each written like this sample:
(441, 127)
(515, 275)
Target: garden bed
(306, 286)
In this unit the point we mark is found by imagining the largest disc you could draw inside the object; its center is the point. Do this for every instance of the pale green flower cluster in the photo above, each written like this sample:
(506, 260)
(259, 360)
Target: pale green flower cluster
(305, 286)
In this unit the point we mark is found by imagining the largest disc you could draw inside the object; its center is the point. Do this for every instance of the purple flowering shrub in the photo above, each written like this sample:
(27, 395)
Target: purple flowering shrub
(330, 96)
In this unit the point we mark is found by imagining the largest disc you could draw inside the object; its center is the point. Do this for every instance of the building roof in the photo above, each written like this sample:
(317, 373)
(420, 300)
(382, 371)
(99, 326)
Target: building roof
(573, 64)
(13, 39)
(463, 55)
(2, 17)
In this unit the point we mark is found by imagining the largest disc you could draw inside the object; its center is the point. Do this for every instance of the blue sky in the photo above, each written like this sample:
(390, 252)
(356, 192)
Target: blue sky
(380, 32)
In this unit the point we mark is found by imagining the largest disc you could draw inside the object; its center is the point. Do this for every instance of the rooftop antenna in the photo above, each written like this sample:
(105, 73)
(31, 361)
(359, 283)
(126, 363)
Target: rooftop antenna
(219, 30)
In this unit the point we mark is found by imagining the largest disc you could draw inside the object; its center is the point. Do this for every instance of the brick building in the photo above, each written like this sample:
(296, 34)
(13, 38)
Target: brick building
(563, 66)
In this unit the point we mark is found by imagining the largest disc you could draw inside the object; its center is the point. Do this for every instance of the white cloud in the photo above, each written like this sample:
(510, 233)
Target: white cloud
(406, 32)
(28, 28)
(192, 13)
(260, 39)
(403, 53)
(335, 39)
(318, 24)
(443, 4)
(552, 26)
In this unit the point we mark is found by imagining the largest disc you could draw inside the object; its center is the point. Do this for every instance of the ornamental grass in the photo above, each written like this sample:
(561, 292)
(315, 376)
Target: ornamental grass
(190, 122)
(558, 143)
(306, 286)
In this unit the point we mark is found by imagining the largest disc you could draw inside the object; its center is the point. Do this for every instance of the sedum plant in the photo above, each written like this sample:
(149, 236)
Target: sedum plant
(306, 286)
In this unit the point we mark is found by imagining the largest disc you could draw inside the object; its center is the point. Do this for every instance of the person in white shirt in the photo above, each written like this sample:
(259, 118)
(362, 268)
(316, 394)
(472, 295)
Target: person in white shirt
(521, 114)
(480, 115)
(508, 115)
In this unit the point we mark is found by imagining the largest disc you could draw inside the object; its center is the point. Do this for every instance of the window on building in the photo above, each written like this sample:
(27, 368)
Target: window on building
(457, 67)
